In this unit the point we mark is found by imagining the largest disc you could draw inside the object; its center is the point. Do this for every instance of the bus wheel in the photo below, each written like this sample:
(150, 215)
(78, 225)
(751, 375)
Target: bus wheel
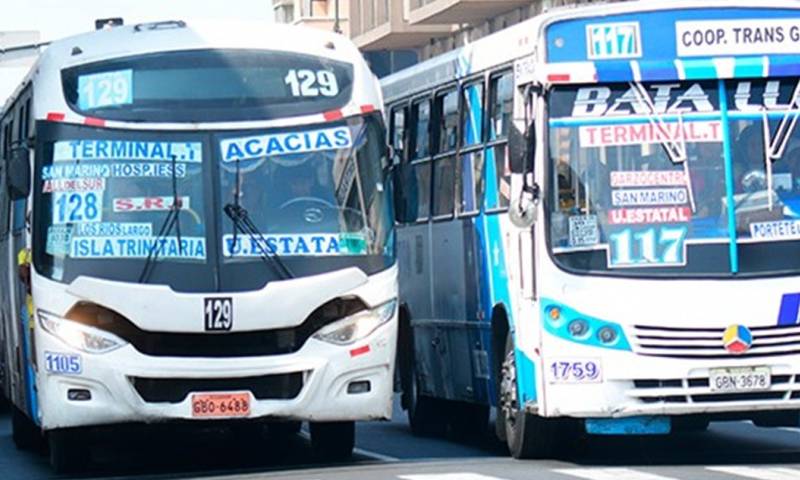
(25, 433)
(425, 414)
(527, 435)
(69, 450)
(332, 441)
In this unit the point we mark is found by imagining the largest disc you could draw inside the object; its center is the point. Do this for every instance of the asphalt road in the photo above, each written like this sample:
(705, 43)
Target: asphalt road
(387, 450)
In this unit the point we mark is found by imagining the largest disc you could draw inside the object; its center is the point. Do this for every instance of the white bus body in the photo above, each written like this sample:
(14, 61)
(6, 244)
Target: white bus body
(619, 295)
(280, 310)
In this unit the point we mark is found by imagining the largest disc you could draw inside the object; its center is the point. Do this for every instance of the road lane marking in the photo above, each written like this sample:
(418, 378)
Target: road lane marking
(448, 476)
(610, 474)
(375, 455)
(760, 473)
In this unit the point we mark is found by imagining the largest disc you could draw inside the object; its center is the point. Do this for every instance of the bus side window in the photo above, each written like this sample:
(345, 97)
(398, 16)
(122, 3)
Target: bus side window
(419, 154)
(398, 128)
(444, 165)
(18, 206)
(4, 204)
(469, 177)
(498, 174)
(420, 135)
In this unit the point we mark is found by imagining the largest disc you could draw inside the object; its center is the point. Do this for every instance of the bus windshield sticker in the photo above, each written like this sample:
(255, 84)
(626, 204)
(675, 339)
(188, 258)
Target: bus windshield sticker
(63, 363)
(148, 204)
(105, 89)
(627, 216)
(112, 229)
(639, 133)
(583, 230)
(58, 239)
(648, 178)
(651, 196)
(308, 244)
(77, 207)
(74, 185)
(106, 170)
(87, 150)
(647, 247)
(776, 230)
(279, 144)
(137, 247)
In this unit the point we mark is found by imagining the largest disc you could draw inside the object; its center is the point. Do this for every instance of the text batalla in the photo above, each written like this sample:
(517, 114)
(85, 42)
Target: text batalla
(258, 146)
(71, 150)
(113, 247)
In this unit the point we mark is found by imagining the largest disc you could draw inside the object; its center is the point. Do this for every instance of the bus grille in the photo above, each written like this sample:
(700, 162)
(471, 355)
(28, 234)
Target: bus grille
(174, 390)
(706, 343)
(697, 390)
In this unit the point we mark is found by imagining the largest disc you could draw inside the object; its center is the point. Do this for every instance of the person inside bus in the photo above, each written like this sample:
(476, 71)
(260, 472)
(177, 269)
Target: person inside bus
(748, 160)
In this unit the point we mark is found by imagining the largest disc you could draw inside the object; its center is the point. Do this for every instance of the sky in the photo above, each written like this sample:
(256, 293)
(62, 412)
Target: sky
(55, 19)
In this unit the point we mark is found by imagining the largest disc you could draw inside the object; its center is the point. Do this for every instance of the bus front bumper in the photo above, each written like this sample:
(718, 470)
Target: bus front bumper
(320, 382)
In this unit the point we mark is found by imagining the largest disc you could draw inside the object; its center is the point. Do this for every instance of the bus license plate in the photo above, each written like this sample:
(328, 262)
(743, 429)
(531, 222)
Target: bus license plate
(745, 379)
(221, 405)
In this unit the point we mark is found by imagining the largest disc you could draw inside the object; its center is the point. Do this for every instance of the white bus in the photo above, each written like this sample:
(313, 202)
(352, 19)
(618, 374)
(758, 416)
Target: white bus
(601, 223)
(195, 226)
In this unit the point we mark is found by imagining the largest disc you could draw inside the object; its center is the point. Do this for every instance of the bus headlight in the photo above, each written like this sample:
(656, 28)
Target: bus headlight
(357, 326)
(81, 337)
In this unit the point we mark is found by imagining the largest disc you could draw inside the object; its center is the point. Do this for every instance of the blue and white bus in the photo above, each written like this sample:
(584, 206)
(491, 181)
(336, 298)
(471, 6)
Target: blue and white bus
(194, 227)
(601, 223)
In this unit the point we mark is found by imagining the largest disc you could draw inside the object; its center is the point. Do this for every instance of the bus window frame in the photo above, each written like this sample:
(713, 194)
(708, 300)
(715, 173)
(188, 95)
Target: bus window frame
(439, 157)
(477, 148)
(425, 161)
(499, 141)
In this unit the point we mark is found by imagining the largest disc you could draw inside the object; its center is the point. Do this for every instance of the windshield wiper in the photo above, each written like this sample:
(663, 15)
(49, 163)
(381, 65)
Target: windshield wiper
(243, 223)
(674, 148)
(775, 146)
(171, 220)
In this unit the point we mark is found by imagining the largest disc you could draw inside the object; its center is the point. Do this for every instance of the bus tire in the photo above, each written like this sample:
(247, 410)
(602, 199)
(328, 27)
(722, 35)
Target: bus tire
(69, 450)
(527, 435)
(333, 441)
(425, 414)
(25, 433)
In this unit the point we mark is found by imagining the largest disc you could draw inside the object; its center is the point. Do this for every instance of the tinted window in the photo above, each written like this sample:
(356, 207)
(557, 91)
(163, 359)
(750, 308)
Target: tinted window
(421, 114)
(447, 107)
(423, 190)
(472, 116)
(444, 186)
(501, 104)
(398, 127)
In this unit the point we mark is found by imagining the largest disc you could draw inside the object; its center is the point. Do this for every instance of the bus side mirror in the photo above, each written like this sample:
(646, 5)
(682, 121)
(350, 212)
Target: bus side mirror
(18, 176)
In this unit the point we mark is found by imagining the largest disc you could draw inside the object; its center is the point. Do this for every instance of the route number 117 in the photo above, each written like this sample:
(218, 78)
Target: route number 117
(647, 247)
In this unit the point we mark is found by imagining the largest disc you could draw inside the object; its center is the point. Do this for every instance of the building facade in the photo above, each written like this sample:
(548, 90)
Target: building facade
(325, 14)
(394, 34)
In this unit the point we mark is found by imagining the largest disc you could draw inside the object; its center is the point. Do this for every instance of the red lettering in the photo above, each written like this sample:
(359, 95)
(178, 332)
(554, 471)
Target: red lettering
(153, 203)
(123, 204)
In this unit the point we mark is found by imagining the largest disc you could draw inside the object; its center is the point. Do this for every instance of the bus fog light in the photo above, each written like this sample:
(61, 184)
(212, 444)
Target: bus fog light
(78, 336)
(607, 335)
(359, 387)
(79, 395)
(355, 327)
(553, 314)
(578, 328)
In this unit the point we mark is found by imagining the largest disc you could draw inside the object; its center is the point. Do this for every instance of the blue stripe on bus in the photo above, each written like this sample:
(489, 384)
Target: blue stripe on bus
(613, 71)
(748, 67)
(31, 400)
(653, 71)
(790, 307)
(728, 156)
(696, 69)
(784, 66)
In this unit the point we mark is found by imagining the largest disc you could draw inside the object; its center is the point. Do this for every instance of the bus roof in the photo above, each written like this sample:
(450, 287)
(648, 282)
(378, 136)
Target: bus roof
(154, 37)
(527, 38)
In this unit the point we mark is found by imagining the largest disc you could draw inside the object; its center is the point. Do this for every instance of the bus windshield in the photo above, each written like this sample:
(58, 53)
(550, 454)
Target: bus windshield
(208, 85)
(640, 185)
(106, 195)
(326, 199)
